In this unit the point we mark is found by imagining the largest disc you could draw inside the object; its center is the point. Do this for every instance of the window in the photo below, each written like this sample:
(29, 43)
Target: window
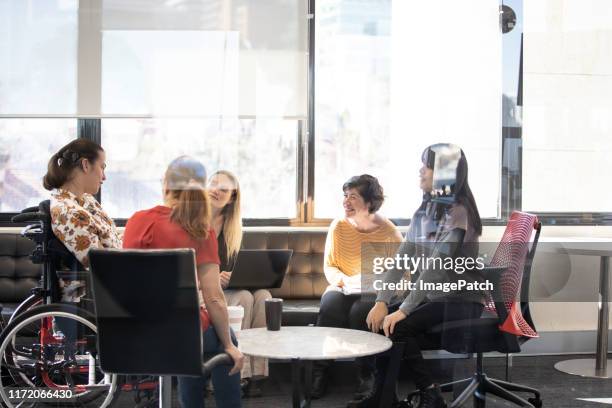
(170, 72)
(567, 119)
(226, 81)
(23, 163)
(262, 154)
(153, 79)
(38, 50)
(393, 77)
(214, 80)
(230, 58)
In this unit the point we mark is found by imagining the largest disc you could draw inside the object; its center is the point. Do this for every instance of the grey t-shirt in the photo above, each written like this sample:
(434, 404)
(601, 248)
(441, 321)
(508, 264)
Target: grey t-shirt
(450, 237)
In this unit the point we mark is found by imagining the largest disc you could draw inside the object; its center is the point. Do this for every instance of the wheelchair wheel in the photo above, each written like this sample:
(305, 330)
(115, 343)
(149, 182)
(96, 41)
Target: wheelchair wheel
(30, 302)
(48, 357)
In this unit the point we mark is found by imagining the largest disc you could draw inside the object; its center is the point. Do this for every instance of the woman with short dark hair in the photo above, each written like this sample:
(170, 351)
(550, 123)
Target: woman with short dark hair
(342, 304)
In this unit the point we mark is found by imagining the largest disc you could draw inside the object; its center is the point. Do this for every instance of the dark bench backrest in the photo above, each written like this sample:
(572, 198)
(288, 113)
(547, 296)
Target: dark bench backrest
(304, 280)
(17, 273)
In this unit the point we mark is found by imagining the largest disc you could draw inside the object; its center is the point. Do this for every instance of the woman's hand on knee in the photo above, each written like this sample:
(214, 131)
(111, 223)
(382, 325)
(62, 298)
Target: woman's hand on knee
(376, 316)
(391, 320)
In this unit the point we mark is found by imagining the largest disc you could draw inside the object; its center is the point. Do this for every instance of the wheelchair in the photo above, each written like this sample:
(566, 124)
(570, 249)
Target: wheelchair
(48, 350)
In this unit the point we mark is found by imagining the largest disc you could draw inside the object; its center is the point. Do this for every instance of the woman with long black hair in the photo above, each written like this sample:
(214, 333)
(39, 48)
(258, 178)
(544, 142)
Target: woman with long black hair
(446, 225)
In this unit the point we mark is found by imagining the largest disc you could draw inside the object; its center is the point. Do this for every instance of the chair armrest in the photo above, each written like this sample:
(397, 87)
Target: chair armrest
(219, 359)
(492, 272)
(28, 217)
(29, 209)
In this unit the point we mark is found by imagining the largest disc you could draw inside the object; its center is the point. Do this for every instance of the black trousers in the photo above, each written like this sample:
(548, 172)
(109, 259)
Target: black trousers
(349, 312)
(415, 325)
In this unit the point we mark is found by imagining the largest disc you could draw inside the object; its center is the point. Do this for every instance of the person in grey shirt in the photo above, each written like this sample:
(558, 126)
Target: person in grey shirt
(445, 227)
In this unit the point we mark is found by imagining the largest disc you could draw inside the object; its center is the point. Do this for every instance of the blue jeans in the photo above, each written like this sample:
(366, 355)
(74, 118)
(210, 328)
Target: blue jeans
(227, 388)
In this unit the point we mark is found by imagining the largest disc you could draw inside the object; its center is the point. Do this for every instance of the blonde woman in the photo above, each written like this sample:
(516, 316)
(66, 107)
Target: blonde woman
(224, 191)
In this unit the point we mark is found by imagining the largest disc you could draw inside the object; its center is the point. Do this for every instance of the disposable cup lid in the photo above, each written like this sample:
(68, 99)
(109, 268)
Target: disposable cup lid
(235, 311)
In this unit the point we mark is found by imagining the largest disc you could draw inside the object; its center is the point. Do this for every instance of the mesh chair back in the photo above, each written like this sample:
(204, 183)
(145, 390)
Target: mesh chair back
(513, 253)
(147, 311)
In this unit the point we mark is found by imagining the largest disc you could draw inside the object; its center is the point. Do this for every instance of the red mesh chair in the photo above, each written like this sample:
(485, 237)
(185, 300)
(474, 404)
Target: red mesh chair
(513, 253)
(506, 322)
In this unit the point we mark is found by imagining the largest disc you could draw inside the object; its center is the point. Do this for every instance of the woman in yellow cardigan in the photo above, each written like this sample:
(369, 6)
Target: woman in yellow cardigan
(342, 304)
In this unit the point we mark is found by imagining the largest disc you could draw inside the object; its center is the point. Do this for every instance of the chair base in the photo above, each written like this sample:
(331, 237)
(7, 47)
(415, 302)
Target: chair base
(479, 385)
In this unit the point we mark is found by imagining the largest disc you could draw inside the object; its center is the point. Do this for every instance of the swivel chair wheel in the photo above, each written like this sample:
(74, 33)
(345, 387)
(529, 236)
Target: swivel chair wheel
(536, 402)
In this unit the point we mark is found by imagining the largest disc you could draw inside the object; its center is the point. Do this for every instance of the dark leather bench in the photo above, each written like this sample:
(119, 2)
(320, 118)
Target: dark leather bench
(305, 281)
(302, 288)
(17, 273)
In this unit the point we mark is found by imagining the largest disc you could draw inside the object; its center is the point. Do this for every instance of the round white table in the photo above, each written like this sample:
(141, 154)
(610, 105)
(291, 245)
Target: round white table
(303, 345)
(600, 247)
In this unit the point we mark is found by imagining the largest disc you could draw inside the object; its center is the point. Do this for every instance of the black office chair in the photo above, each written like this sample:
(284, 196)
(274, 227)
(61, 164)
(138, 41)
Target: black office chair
(148, 314)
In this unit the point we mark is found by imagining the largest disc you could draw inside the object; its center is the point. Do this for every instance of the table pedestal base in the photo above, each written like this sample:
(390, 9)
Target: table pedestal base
(301, 383)
(584, 367)
(165, 391)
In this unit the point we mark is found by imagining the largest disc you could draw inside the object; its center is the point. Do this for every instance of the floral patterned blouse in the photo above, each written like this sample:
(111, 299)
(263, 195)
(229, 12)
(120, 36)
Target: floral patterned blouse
(81, 223)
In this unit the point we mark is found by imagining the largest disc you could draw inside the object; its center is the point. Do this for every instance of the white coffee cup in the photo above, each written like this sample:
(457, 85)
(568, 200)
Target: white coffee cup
(236, 314)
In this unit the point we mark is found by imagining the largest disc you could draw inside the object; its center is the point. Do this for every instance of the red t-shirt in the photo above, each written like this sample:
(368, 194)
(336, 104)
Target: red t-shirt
(153, 229)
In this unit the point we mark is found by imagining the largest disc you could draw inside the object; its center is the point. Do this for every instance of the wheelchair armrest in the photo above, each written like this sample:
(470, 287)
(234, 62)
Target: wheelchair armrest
(30, 209)
(29, 217)
(219, 359)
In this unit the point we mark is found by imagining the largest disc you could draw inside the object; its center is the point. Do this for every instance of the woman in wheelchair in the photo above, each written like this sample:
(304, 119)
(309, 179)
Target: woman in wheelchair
(65, 331)
(74, 175)
(184, 221)
(446, 225)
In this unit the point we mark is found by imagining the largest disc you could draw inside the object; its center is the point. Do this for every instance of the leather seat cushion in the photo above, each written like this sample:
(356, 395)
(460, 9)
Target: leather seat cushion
(300, 312)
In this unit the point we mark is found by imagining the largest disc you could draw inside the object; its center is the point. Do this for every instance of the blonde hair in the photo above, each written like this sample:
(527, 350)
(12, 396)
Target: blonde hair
(185, 181)
(232, 219)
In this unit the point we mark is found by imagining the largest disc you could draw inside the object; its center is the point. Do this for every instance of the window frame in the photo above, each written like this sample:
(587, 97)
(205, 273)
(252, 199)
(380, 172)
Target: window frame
(89, 127)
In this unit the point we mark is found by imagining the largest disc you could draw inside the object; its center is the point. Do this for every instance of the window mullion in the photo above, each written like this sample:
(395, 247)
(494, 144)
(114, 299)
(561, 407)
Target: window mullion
(89, 58)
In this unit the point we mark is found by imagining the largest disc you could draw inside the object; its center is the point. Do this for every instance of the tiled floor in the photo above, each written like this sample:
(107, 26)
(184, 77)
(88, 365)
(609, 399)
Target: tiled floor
(558, 390)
